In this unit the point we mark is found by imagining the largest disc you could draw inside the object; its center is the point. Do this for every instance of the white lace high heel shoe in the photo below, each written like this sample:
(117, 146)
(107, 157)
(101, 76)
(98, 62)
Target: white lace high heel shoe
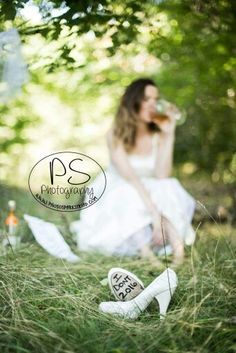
(162, 288)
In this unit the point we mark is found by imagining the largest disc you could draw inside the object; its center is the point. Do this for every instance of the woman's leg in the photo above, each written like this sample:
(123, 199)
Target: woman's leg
(171, 235)
(145, 249)
(147, 253)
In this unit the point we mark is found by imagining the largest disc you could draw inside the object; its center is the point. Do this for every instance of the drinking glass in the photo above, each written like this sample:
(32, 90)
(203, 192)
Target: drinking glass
(162, 107)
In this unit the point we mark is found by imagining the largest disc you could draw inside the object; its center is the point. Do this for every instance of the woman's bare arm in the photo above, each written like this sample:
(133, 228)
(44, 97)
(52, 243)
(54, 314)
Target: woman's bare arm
(165, 146)
(120, 160)
(164, 156)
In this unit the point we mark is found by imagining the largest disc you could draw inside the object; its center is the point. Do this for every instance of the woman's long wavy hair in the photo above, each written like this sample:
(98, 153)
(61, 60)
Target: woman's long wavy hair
(126, 118)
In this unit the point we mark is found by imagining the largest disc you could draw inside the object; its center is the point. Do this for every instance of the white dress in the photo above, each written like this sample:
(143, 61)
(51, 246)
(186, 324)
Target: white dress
(119, 223)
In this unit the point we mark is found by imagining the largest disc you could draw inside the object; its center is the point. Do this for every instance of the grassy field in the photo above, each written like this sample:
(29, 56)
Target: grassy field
(48, 305)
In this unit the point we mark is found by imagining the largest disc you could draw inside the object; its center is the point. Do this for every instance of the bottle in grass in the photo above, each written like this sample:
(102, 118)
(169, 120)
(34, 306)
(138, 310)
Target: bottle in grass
(12, 224)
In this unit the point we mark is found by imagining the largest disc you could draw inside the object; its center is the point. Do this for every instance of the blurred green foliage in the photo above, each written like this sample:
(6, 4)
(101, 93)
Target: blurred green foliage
(193, 42)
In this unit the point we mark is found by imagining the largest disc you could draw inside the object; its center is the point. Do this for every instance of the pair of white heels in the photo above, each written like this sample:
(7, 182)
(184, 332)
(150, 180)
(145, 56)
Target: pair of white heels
(133, 298)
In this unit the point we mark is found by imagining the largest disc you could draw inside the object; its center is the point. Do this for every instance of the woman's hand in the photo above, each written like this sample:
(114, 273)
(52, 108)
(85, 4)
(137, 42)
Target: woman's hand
(169, 125)
(157, 231)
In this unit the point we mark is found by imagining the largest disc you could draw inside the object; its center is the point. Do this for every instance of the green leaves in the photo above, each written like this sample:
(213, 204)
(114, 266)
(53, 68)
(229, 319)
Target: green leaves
(190, 51)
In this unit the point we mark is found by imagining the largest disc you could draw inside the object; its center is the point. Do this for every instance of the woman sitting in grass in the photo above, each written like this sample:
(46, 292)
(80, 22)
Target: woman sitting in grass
(143, 207)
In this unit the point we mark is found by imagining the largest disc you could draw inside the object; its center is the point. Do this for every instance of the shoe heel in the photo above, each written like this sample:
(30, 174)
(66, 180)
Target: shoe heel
(164, 297)
(163, 301)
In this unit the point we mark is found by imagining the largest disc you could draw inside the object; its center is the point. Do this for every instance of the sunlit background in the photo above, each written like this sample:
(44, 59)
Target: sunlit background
(79, 60)
(63, 68)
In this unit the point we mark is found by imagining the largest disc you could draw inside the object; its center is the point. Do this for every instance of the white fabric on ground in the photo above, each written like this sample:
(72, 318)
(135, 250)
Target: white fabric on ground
(49, 237)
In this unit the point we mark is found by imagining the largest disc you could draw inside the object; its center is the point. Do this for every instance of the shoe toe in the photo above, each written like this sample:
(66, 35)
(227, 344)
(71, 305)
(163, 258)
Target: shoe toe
(103, 307)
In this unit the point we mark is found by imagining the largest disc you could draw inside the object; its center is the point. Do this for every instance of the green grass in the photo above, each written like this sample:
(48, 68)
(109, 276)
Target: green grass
(48, 305)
